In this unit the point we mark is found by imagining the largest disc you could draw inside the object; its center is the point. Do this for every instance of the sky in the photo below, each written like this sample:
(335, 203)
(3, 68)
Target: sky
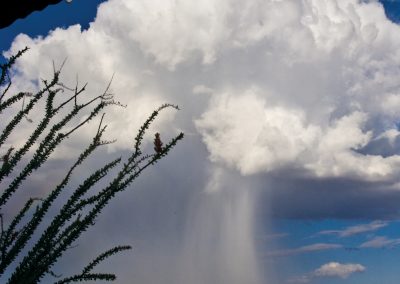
(289, 170)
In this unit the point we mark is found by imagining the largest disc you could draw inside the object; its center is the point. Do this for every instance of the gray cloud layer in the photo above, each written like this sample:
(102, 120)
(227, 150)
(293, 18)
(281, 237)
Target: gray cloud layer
(357, 229)
(305, 249)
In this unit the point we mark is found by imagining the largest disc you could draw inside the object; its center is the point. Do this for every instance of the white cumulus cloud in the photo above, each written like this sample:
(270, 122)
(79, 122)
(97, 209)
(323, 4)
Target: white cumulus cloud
(331, 269)
(336, 269)
(307, 90)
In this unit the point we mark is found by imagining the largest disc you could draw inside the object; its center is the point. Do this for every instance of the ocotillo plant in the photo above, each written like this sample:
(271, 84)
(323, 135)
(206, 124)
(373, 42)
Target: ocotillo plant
(29, 249)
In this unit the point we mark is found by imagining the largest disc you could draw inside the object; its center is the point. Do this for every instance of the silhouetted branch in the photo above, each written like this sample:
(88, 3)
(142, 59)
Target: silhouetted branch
(79, 211)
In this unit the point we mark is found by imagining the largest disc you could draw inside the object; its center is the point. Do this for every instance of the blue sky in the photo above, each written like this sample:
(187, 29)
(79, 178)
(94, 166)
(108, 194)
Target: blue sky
(307, 215)
(41, 22)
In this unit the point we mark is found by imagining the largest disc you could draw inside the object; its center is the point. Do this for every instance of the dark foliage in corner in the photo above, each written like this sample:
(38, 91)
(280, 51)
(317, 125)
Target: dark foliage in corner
(20, 9)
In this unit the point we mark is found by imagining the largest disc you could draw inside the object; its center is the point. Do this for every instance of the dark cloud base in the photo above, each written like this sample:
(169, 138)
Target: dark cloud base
(333, 198)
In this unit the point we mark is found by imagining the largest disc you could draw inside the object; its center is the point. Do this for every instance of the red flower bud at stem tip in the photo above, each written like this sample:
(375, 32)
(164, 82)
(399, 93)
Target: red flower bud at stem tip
(157, 143)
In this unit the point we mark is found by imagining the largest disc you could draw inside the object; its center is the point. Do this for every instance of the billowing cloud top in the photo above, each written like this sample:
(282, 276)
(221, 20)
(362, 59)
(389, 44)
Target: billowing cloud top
(309, 86)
